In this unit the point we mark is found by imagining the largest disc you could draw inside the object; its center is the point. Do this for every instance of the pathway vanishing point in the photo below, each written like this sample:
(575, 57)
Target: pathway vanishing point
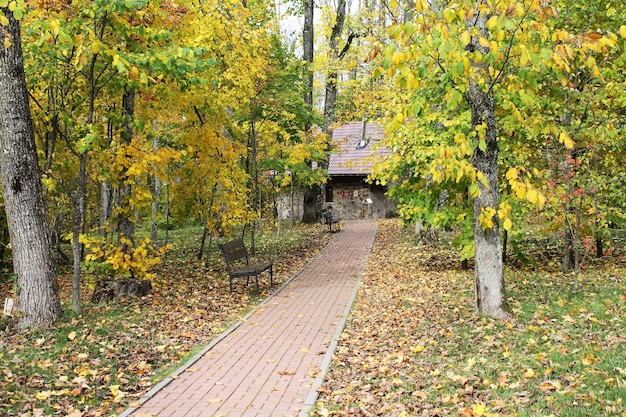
(274, 359)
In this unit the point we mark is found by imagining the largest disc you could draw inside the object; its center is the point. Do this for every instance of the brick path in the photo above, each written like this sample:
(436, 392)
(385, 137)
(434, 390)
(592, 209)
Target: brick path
(271, 362)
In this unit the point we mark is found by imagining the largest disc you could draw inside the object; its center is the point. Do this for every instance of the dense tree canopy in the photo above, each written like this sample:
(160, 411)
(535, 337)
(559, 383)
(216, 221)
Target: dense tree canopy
(500, 114)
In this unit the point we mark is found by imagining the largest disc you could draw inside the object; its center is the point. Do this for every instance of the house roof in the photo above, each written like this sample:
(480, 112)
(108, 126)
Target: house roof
(354, 153)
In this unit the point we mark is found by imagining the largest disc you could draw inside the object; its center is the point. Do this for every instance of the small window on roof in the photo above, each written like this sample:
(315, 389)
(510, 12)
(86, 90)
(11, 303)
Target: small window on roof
(362, 144)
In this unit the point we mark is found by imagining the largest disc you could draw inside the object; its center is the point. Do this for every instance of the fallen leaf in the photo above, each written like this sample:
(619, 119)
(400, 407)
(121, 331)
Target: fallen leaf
(550, 386)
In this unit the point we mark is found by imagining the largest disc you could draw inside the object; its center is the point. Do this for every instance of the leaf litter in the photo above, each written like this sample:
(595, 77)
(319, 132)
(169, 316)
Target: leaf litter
(100, 362)
(415, 346)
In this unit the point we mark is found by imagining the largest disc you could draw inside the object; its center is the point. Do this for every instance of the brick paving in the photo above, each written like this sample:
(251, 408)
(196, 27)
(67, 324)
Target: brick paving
(271, 362)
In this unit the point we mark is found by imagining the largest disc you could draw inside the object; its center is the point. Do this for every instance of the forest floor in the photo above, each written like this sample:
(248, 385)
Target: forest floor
(413, 345)
(99, 362)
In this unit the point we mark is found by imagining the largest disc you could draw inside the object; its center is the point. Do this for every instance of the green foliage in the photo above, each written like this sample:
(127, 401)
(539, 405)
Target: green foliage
(201, 72)
(553, 81)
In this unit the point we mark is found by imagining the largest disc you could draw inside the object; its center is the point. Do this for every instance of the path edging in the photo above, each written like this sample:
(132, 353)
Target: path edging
(311, 399)
(171, 377)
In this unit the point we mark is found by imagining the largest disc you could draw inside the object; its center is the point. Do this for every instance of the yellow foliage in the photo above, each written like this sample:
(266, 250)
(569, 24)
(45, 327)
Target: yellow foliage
(486, 217)
(109, 257)
(466, 38)
(566, 140)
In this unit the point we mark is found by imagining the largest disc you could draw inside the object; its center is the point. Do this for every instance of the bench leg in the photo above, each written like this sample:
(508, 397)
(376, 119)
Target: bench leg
(258, 291)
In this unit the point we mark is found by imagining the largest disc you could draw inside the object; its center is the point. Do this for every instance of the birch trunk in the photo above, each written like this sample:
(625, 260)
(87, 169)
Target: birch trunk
(489, 281)
(33, 258)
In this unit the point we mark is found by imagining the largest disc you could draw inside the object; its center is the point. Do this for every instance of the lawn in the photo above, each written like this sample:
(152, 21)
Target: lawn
(99, 362)
(415, 346)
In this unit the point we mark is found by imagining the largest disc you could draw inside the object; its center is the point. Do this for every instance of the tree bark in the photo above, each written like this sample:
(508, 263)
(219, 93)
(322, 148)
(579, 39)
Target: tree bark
(126, 225)
(311, 209)
(80, 208)
(307, 46)
(330, 99)
(489, 281)
(156, 198)
(311, 213)
(112, 289)
(33, 257)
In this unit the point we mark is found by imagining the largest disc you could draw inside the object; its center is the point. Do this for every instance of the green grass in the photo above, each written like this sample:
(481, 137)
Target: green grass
(563, 353)
(102, 360)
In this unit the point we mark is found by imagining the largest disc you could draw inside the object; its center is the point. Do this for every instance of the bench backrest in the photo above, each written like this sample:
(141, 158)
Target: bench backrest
(234, 251)
(328, 215)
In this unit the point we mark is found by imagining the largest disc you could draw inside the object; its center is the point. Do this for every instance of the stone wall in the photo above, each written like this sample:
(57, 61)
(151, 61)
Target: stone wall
(283, 206)
(354, 199)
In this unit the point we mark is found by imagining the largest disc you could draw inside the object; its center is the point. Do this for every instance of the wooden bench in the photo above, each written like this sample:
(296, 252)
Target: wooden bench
(329, 219)
(237, 260)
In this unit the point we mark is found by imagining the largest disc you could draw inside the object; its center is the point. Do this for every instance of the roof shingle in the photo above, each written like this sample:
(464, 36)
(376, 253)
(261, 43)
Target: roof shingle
(354, 153)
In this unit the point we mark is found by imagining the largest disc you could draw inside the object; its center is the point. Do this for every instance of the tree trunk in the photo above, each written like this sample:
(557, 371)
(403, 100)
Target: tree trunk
(330, 98)
(105, 201)
(307, 46)
(33, 257)
(568, 251)
(112, 289)
(489, 282)
(80, 203)
(311, 210)
(156, 198)
(126, 225)
(599, 247)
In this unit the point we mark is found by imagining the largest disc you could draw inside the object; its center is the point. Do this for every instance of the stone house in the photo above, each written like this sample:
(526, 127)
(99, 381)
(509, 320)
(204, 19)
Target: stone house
(347, 192)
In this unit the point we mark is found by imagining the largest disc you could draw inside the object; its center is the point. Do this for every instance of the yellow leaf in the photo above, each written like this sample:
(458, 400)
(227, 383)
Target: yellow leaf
(134, 73)
(622, 31)
(550, 386)
(484, 42)
(7, 41)
(55, 26)
(492, 22)
(511, 174)
(589, 359)
(95, 47)
(43, 395)
(420, 5)
(466, 38)
(532, 196)
(71, 336)
(479, 409)
(566, 140)
(397, 382)
(529, 373)
(507, 224)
